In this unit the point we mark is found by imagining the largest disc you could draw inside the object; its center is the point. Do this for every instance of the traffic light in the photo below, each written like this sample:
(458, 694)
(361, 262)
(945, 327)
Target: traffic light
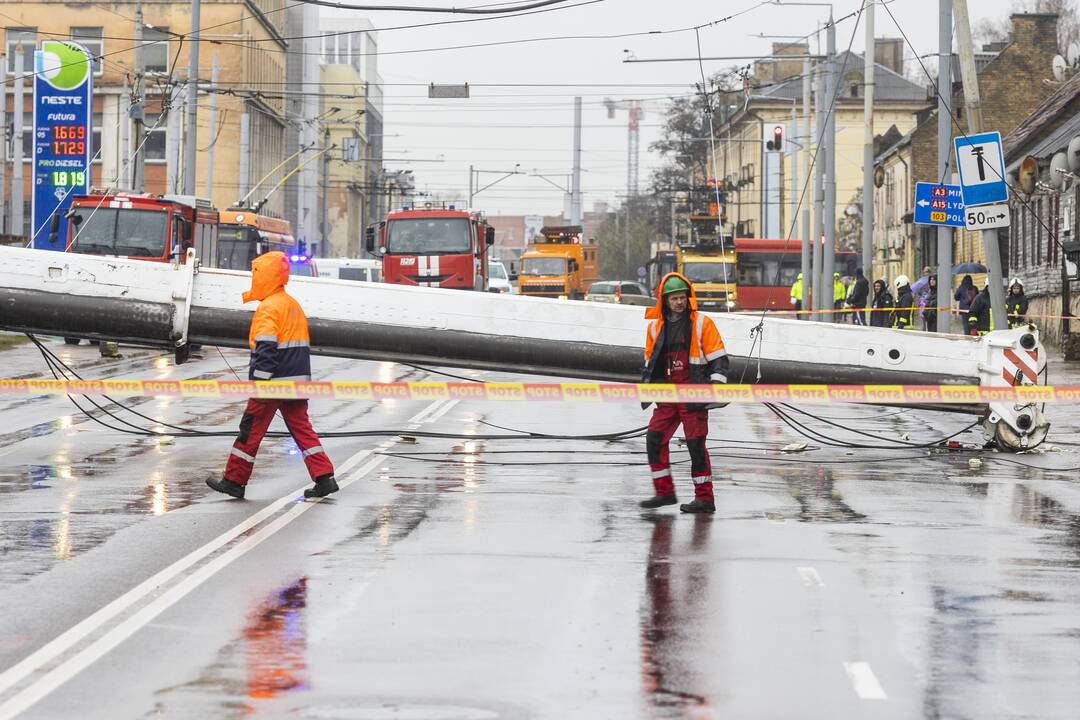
(777, 138)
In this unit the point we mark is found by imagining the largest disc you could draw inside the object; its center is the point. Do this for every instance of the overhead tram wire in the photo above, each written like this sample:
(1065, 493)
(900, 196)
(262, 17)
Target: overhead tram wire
(474, 10)
(195, 37)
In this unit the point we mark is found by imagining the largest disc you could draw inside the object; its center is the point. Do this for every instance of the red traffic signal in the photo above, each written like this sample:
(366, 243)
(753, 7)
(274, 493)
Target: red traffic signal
(778, 138)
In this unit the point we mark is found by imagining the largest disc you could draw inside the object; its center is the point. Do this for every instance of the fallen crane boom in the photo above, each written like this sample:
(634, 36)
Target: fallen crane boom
(173, 305)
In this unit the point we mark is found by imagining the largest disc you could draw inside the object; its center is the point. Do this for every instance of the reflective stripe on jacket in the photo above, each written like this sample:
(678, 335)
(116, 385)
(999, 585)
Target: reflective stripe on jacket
(278, 337)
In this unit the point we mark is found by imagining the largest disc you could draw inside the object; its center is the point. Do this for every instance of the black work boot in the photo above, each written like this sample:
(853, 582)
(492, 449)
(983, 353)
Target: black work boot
(323, 486)
(699, 506)
(226, 486)
(657, 501)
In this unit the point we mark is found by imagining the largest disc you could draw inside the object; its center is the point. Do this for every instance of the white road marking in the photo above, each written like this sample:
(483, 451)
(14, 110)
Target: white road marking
(810, 577)
(422, 415)
(864, 681)
(107, 642)
(64, 642)
(435, 416)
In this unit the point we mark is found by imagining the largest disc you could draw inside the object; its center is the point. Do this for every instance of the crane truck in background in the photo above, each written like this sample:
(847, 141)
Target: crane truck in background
(433, 247)
(558, 264)
(708, 261)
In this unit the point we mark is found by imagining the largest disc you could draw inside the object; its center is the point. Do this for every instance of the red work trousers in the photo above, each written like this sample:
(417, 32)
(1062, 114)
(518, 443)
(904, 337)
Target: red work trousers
(257, 417)
(665, 420)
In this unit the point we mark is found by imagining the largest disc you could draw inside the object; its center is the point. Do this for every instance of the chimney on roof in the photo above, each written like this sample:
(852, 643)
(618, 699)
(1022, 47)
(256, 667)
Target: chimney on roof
(890, 53)
(1035, 29)
(772, 71)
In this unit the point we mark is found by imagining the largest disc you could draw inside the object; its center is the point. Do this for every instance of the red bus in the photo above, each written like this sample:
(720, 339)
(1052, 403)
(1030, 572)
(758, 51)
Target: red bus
(766, 269)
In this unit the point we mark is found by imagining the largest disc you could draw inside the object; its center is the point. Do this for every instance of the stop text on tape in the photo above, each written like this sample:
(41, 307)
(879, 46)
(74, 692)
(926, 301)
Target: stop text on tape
(551, 392)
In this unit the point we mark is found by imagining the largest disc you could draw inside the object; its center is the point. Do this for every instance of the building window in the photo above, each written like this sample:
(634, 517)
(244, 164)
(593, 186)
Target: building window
(91, 38)
(29, 41)
(341, 48)
(156, 49)
(155, 144)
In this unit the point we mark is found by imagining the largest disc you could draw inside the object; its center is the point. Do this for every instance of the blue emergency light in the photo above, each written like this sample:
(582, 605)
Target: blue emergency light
(298, 258)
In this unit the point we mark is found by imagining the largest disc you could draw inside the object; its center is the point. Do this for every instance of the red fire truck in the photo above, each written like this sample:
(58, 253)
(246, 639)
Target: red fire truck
(433, 247)
(151, 227)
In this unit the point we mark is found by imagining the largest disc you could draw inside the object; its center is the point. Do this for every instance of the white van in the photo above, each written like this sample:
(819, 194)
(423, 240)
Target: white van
(360, 269)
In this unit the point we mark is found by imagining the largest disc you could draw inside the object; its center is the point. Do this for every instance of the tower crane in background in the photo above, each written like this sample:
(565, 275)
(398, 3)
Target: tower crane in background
(636, 112)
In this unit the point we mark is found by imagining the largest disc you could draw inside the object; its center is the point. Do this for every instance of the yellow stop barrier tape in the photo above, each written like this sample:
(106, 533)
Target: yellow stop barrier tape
(559, 392)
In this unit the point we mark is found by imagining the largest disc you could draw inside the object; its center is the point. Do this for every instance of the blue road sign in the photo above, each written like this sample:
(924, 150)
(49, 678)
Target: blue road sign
(980, 161)
(938, 205)
(63, 147)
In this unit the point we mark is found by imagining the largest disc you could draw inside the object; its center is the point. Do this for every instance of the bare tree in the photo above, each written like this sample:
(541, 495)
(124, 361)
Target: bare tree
(989, 30)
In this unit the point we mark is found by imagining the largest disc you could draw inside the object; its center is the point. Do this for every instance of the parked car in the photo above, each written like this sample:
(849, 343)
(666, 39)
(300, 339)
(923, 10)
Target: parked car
(361, 269)
(623, 292)
(498, 280)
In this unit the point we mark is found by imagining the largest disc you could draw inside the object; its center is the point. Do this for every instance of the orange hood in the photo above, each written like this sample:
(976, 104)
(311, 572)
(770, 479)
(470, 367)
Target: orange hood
(269, 273)
(656, 312)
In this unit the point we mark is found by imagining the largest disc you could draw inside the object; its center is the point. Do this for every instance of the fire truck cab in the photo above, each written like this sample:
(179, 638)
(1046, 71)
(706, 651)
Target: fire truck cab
(159, 228)
(433, 247)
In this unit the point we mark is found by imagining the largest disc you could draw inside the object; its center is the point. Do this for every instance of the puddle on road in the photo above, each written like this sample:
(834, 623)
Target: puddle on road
(672, 618)
(1033, 508)
(266, 661)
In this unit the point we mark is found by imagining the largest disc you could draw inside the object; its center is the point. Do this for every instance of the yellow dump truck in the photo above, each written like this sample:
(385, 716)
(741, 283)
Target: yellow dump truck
(558, 264)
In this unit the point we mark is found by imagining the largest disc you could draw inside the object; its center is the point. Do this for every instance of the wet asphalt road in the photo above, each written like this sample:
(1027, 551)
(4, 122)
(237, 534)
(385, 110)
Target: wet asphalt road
(469, 578)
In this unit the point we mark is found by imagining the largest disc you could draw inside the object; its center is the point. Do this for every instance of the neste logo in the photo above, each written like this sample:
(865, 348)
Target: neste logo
(64, 65)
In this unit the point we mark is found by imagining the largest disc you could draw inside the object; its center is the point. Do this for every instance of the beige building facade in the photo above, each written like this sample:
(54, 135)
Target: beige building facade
(245, 38)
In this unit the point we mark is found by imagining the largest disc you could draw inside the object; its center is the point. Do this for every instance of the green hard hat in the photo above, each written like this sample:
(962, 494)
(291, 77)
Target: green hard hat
(674, 285)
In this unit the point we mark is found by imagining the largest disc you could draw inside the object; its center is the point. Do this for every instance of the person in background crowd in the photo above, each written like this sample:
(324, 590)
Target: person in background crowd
(1016, 304)
(839, 292)
(964, 295)
(904, 317)
(980, 318)
(881, 306)
(929, 312)
(857, 297)
(796, 295)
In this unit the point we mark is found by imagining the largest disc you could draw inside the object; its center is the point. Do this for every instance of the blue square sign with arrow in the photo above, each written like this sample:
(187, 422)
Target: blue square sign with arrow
(938, 205)
(980, 161)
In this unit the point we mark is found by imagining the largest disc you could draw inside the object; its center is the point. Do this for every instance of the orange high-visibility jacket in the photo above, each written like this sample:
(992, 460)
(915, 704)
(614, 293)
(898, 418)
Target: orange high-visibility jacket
(278, 338)
(708, 358)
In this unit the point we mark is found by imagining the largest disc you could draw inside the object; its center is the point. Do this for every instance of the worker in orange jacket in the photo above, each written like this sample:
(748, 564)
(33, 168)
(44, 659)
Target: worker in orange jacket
(681, 346)
(280, 350)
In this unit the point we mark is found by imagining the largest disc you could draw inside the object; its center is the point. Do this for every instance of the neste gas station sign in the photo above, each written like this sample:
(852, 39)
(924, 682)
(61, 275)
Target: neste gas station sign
(63, 147)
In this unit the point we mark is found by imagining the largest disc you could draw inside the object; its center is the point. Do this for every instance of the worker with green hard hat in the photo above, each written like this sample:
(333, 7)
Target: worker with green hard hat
(682, 346)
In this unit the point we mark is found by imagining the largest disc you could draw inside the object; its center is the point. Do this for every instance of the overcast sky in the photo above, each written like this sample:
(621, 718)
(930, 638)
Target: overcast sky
(531, 124)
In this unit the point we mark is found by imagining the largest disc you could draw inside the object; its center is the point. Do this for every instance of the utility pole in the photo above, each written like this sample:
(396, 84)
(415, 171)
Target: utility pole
(793, 152)
(944, 130)
(868, 146)
(174, 181)
(17, 216)
(138, 111)
(212, 134)
(807, 139)
(245, 151)
(819, 192)
(471, 187)
(829, 251)
(3, 151)
(575, 186)
(325, 234)
(191, 133)
(972, 100)
(123, 176)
